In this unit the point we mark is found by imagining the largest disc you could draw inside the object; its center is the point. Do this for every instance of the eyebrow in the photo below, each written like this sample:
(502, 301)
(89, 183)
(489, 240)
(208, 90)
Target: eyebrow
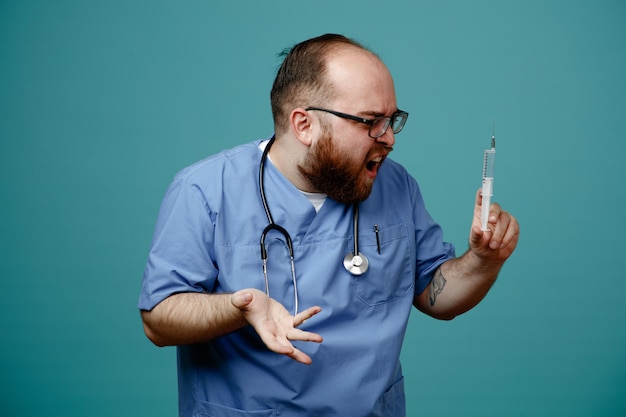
(372, 113)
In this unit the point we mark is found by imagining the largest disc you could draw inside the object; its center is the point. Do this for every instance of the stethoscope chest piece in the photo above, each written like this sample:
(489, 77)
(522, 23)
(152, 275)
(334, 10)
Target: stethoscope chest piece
(356, 264)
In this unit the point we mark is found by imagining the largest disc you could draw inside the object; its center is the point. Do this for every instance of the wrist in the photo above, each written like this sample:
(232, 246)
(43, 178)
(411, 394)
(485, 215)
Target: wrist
(477, 262)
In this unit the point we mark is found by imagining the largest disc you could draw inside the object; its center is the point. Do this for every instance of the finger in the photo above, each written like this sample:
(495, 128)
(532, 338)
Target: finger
(494, 212)
(304, 336)
(301, 357)
(284, 347)
(479, 196)
(305, 315)
(512, 234)
(501, 226)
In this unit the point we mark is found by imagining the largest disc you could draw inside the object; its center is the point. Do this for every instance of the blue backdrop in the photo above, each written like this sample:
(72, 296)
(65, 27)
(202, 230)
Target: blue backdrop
(102, 102)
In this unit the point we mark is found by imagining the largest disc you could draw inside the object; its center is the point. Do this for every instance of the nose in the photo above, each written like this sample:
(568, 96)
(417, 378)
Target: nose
(388, 139)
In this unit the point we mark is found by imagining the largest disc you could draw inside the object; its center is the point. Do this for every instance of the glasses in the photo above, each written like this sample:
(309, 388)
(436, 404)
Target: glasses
(378, 125)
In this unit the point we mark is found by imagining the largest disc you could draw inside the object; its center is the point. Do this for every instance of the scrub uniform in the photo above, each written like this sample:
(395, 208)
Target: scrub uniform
(207, 240)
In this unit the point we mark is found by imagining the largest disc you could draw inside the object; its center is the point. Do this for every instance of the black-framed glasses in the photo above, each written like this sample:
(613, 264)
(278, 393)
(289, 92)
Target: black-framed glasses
(378, 125)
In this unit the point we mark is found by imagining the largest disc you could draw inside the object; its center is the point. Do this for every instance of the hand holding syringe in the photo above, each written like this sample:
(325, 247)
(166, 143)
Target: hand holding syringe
(487, 190)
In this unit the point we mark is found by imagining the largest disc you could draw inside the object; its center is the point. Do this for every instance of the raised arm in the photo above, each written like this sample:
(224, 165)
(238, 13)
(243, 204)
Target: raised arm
(461, 283)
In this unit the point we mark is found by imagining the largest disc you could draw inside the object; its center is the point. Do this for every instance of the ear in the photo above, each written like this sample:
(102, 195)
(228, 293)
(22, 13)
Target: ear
(302, 125)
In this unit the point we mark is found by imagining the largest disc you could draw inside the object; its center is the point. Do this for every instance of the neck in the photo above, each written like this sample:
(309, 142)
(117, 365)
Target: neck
(284, 155)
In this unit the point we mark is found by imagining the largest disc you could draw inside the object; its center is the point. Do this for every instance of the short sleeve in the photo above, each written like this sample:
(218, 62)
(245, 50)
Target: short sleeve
(180, 258)
(431, 249)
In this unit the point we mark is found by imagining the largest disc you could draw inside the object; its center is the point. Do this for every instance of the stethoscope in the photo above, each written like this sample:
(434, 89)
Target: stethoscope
(355, 262)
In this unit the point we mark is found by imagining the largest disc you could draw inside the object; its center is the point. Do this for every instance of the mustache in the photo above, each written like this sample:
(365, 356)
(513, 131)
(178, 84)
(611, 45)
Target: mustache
(381, 148)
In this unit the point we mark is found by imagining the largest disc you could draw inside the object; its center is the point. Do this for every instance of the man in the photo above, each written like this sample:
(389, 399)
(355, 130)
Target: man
(326, 189)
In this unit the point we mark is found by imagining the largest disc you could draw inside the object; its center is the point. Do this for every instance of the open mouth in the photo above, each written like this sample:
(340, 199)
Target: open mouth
(374, 164)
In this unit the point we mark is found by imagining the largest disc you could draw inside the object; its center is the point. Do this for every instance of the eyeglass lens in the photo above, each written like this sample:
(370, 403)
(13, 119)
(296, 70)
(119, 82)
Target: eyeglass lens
(380, 125)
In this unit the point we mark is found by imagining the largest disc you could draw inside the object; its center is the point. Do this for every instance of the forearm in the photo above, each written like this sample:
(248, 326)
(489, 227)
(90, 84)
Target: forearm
(457, 286)
(187, 318)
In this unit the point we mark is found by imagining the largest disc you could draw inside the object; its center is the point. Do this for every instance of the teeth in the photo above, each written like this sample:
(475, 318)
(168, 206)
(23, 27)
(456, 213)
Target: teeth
(378, 159)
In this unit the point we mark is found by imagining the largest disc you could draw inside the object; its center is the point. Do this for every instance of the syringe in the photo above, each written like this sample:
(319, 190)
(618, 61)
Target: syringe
(487, 191)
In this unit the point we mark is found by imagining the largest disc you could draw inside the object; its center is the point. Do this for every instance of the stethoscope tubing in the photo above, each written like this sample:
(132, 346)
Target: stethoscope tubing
(355, 263)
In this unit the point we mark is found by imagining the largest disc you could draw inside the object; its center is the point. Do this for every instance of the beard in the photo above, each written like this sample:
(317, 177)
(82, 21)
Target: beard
(331, 173)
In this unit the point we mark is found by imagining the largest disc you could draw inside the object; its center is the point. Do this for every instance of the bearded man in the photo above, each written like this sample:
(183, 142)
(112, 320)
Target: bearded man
(285, 269)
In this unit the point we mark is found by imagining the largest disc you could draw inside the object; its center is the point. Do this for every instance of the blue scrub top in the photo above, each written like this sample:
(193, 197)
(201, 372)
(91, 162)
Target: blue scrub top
(207, 240)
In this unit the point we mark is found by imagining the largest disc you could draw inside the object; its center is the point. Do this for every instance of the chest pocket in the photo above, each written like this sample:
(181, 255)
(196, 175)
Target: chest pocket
(391, 273)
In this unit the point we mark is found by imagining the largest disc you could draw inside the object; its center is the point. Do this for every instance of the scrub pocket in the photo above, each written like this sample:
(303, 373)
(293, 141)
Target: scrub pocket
(207, 409)
(392, 402)
(391, 273)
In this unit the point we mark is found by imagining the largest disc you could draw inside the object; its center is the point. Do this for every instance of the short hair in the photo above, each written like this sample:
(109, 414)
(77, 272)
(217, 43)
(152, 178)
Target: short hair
(301, 79)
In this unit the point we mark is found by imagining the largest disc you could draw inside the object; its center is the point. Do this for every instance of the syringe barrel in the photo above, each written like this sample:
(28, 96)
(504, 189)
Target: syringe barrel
(489, 160)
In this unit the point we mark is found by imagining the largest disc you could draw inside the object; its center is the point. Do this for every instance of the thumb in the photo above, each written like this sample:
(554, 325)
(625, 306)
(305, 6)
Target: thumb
(241, 299)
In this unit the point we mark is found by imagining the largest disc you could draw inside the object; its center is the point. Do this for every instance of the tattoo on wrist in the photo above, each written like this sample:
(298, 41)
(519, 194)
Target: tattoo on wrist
(436, 287)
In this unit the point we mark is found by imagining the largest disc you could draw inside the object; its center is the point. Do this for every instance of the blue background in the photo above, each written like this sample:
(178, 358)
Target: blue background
(102, 102)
